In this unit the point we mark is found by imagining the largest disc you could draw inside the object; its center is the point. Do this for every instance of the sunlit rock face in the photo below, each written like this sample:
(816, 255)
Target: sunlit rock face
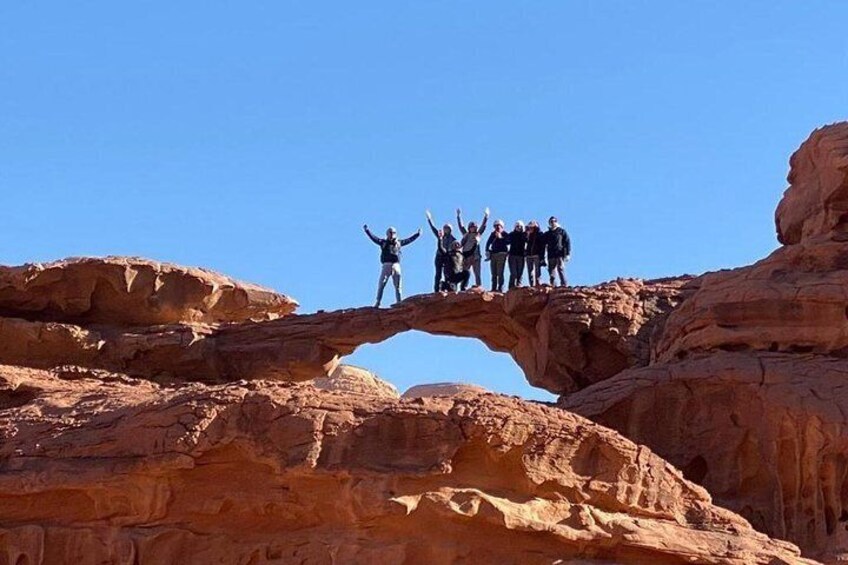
(152, 413)
(745, 389)
(101, 468)
(563, 339)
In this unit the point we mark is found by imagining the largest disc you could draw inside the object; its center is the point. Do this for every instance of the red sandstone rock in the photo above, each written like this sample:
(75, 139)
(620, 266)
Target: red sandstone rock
(347, 378)
(765, 433)
(100, 468)
(793, 301)
(563, 339)
(126, 291)
(442, 389)
(816, 202)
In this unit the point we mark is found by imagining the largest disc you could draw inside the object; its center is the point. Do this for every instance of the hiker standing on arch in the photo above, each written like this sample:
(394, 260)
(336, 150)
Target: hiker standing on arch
(517, 253)
(497, 249)
(390, 250)
(471, 244)
(559, 250)
(455, 273)
(444, 246)
(535, 253)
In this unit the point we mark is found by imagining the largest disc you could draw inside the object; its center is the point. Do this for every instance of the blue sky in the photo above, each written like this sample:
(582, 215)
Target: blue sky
(256, 138)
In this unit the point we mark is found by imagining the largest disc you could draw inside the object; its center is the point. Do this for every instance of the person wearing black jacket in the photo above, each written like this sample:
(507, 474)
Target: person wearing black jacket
(497, 249)
(390, 251)
(558, 248)
(535, 250)
(455, 273)
(517, 250)
(444, 240)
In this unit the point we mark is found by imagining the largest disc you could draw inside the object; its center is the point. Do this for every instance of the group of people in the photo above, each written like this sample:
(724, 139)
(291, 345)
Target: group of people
(458, 258)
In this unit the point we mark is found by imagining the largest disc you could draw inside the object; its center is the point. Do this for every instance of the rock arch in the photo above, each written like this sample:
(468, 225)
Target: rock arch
(563, 339)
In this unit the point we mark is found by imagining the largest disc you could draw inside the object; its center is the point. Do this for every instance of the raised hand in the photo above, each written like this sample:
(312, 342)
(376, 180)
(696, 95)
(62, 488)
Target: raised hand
(486, 211)
(458, 211)
(429, 215)
(365, 227)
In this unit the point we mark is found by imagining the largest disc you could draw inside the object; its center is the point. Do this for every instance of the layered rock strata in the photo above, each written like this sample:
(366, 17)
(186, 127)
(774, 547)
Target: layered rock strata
(97, 467)
(563, 339)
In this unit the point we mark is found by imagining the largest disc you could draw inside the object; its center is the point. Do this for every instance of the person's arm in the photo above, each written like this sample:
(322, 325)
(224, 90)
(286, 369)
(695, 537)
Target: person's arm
(373, 238)
(411, 238)
(433, 227)
(489, 243)
(459, 223)
(485, 222)
(566, 244)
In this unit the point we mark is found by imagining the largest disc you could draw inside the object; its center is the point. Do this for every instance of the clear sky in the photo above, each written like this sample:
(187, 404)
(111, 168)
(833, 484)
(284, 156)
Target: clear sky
(256, 138)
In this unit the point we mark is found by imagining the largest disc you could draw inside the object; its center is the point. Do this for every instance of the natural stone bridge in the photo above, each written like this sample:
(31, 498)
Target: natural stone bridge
(76, 312)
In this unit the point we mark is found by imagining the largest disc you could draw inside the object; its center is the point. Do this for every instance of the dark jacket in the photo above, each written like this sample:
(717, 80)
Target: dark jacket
(536, 243)
(441, 242)
(497, 244)
(390, 248)
(453, 260)
(517, 243)
(557, 242)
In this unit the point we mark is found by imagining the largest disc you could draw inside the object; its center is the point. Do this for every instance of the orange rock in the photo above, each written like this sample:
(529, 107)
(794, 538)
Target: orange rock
(765, 433)
(125, 291)
(347, 378)
(101, 468)
(442, 389)
(816, 202)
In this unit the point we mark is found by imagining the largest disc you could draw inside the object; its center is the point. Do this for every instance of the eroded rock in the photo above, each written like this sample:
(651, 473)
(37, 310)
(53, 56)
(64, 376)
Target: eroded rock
(816, 203)
(128, 291)
(765, 433)
(122, 470)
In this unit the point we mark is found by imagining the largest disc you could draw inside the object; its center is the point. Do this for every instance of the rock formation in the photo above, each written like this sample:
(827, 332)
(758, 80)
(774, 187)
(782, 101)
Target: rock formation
(101, 468)
(347, 378)
(746, 393)
(735, 377)
(563, 339)
(122, 291)
(442, 389)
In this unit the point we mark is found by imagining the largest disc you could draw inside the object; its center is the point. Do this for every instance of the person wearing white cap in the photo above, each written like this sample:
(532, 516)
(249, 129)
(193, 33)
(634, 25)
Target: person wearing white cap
(517, 251)
(535, 253)
(497, 249)
(390, 251)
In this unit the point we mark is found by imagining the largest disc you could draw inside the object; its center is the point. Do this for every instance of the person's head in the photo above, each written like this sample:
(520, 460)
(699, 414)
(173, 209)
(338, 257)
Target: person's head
(447, 229)
(519, 226)
(533, 225)
(552, 222)
(472, 227)
(499, 225)
(391, 233)
(456, 246)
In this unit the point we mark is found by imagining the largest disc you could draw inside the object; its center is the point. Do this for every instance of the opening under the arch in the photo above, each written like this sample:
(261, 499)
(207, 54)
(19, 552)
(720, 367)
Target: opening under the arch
(414, 358)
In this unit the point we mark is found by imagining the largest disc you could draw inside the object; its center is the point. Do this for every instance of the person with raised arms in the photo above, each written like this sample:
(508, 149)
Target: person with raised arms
(390, 251)
(471, 238)
(444, 245)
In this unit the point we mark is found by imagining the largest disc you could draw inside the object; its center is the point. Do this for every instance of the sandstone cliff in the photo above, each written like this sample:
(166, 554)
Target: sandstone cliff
(745, 392)
(102, 468)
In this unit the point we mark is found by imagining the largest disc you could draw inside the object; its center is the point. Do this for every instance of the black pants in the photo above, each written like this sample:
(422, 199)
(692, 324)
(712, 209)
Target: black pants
(454, 279)
(440, 272)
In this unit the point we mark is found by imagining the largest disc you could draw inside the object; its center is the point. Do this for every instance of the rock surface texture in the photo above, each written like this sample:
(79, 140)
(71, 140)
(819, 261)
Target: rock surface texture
(153, 414)
(746, 390)
(563, 339)
(101, 468)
